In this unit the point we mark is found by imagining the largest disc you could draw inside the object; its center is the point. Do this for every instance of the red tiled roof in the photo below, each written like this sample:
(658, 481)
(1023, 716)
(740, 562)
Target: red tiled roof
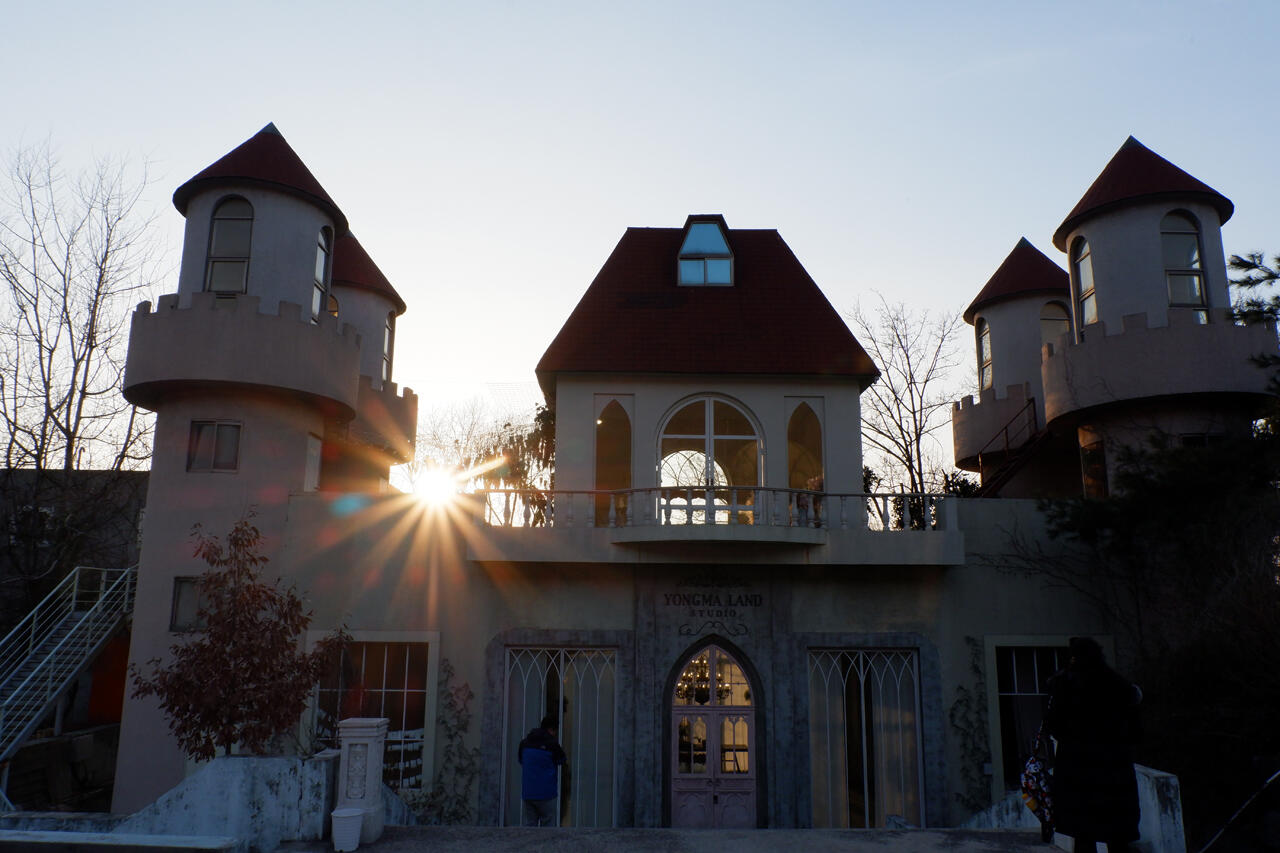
(635, 318)
(1136, 173)
(1025, 270)
(352, 267)
(265, 158)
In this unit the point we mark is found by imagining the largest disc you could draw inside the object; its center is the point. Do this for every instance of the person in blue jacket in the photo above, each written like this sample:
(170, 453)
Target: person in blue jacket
(539, 756)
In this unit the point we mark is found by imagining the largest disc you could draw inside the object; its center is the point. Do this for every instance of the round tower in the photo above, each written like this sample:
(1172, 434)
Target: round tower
(1021, 307)
(358, 456)
(1153, 348)
(253, 380)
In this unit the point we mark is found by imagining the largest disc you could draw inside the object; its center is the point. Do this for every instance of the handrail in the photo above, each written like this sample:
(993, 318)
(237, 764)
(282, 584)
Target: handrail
(1004, 430)
(704, 506)
(54, 669)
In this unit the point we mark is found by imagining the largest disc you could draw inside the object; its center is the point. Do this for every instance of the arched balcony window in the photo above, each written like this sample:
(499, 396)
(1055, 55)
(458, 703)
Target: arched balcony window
(804, 463)
(1082, 273)
(709, 456)
(319, 302)
(1054, 322)
(1183, 271)
(230, 235)
(984, 354)
(613, 463)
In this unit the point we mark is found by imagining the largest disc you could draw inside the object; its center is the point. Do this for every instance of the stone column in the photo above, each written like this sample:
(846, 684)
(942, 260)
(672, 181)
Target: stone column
(360, 771)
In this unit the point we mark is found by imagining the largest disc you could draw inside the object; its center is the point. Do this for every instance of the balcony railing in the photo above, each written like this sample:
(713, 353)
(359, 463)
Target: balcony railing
(670, 506)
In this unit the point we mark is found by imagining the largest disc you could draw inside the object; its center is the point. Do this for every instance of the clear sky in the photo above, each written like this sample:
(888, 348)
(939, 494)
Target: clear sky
(489, 155)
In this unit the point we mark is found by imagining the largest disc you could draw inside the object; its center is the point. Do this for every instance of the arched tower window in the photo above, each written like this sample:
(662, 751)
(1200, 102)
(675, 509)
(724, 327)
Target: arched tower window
(1180, 247)
(1082, 273)
(319, 302)
(388, 341)
(709, 455)
(613, 463)
(984, 354)
(229, 238)
(1054, 322)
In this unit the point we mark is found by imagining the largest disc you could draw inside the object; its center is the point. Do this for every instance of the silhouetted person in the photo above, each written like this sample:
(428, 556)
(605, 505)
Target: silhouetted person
(539, 755)
(1093, 714)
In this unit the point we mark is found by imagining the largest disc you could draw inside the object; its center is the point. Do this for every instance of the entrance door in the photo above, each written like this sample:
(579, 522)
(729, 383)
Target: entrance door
(713, 779)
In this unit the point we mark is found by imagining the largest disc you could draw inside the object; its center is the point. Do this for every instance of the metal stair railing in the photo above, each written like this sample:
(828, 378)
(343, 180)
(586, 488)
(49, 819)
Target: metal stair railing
(59, 637)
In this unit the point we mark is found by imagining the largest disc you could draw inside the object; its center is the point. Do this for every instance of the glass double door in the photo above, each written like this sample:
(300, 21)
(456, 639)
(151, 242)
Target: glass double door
(713, 779)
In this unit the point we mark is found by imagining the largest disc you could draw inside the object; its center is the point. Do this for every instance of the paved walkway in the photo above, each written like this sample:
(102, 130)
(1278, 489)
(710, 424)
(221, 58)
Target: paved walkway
(477, 839)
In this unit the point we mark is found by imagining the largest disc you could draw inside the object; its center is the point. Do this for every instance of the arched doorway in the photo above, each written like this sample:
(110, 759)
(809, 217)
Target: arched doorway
(713, 743)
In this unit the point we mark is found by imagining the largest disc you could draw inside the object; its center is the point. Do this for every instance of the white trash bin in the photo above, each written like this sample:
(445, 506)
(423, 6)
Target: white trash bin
(346, 828)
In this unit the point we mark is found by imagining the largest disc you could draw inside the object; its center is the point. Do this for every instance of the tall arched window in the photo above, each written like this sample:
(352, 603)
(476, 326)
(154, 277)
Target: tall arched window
(388, 340)
(229, 238)
(1180, 246)
(804, 449)
(1082, 272)
(709, 455)
(613, 464)
(984, 354)
(1054, 322)
(318, 301)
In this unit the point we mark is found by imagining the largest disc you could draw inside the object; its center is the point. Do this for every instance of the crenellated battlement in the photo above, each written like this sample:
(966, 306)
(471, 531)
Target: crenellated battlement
(246, 305)
(1144, 361)
(212, 342)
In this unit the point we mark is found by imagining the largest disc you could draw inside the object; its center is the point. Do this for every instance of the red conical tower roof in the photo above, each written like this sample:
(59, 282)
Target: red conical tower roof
(352, 267)
(1025, 270)
(266, 159)
(1136, 174)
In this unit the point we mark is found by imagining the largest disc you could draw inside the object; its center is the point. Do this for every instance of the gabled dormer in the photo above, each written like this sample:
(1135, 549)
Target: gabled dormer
(705, 258)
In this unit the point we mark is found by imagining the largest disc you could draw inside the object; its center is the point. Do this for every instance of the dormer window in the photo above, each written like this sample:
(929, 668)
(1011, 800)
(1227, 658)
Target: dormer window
(705, 258)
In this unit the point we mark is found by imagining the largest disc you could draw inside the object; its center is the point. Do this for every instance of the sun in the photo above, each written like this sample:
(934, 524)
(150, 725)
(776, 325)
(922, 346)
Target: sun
(436, 486)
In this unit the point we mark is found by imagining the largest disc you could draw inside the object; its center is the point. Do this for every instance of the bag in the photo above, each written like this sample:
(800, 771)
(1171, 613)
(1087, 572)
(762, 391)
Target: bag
(1037, 785)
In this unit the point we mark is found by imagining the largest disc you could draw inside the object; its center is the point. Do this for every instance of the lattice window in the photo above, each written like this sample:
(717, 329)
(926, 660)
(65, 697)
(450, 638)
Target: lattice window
(865, 738)
(578, 687)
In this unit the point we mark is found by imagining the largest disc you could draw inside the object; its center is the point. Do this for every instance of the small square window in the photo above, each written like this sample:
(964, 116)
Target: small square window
(185, 614)
(214, 446)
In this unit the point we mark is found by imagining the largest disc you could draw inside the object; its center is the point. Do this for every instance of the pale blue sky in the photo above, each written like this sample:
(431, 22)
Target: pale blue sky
(489, 155)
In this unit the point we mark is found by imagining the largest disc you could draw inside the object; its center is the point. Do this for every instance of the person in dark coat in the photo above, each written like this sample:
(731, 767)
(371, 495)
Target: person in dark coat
(1093, 715)
(539, 755)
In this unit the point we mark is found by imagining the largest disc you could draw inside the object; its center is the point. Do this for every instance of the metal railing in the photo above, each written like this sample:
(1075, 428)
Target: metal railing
(1020, 429)
(681, 506)
(53, 644)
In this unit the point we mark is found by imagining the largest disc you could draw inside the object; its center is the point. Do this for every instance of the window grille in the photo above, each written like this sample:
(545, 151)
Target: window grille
(381, 680)
(1022, 675)
(865, 737)
(578, 687)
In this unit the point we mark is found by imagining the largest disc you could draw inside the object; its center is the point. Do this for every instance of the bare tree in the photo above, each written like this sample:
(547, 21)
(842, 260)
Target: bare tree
(911, 401)
(76, 253)
(484, 447)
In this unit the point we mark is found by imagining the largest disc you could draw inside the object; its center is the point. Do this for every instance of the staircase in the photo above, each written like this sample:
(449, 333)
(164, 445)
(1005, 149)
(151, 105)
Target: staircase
(42, 656)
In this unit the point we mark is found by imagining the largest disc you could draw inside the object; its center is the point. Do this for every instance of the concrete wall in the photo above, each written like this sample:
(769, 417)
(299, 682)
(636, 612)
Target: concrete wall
(271, 466)
(367, 312)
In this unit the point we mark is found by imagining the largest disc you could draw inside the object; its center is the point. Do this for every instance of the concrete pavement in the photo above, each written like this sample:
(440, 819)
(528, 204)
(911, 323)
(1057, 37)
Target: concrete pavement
(476, 839)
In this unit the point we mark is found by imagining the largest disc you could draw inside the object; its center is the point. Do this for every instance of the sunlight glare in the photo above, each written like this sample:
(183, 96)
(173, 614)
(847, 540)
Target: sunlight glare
(436, 486)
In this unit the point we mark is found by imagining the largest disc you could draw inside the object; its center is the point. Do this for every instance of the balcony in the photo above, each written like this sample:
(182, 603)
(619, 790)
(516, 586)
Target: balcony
(700, 524)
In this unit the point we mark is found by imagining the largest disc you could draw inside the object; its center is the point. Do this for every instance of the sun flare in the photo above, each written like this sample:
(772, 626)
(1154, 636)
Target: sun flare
(436, 486)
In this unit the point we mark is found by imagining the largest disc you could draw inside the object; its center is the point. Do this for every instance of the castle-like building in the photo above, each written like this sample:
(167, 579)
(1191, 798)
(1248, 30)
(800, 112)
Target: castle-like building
(729, 631)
